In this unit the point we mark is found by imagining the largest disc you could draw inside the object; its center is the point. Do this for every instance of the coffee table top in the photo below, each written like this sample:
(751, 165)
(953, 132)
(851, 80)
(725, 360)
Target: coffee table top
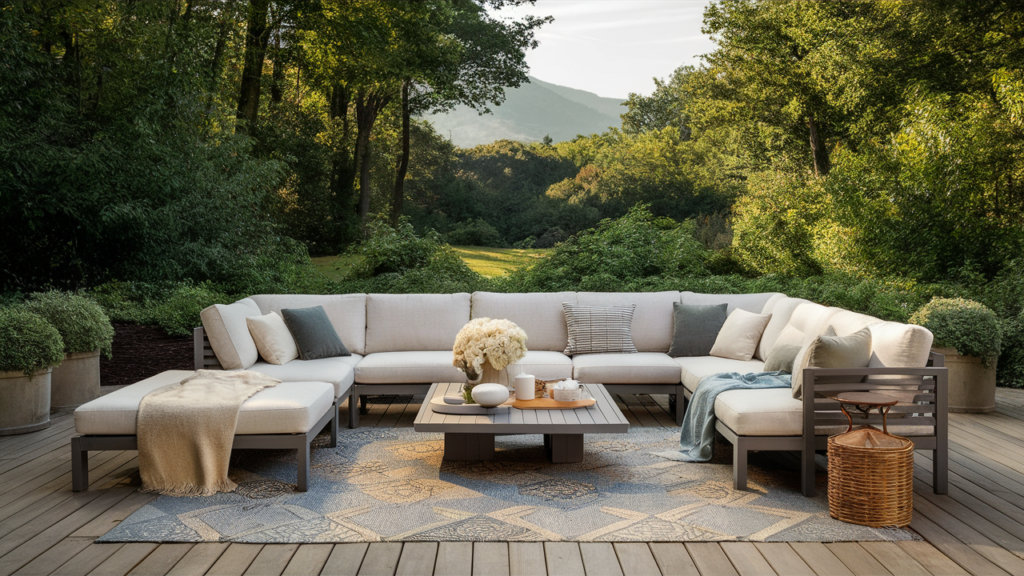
(603, 417)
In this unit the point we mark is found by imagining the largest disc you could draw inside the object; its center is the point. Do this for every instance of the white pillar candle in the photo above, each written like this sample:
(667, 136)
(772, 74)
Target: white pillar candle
(524, 387)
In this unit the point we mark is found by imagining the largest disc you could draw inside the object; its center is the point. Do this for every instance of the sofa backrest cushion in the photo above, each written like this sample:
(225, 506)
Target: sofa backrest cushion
(781, 311)
(750, 302)
(893, 345)
(652, 318)
(414, 322)
(539, 314)
(347, 313)
(229, 335)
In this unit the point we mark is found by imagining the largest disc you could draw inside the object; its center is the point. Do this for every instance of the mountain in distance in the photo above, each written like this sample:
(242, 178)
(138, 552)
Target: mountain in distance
(529, 113)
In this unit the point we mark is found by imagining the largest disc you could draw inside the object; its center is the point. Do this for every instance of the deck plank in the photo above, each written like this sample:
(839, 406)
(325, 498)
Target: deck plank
(124, 560)
(235, 560)
(821, 559)
(673, 559)
(490, 559)
(199, 559)
(710, 558)
(636, 559)
(455, 559)
(783, 559)
(308, 560)
(599, 559)
(345, 559)
(272, 560)
(934, 561)
(857, 559)
(87, 560)
(381, 559)
(564, 559)
(417, 559)
(524, 559)
(747, 559)
(895, 559)
(161, 560)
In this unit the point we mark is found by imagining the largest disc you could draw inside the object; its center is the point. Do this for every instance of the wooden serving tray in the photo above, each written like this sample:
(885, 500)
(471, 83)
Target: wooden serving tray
(549, 404)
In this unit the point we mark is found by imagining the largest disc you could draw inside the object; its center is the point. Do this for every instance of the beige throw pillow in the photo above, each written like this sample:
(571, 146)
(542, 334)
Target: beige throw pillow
(273, 339)
(739, 335)
(229, 336)
(832, 351)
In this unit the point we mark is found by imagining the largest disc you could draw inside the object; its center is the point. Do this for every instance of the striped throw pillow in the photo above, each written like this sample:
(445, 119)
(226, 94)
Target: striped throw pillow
(599, 329)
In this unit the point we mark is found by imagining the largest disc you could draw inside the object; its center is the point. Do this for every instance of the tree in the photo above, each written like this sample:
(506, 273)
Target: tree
(256, 37)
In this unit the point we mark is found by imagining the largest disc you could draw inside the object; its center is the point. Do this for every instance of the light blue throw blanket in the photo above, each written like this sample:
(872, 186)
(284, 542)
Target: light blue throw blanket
(697, 439)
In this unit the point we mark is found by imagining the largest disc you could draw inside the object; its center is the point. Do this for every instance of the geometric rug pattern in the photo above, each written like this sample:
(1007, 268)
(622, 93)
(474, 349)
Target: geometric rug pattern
(392, 485)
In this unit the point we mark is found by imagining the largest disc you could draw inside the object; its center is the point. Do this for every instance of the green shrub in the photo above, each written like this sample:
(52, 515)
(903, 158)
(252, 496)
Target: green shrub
(970, 327)
(475, 233)
(28, 343)
(179, 312)
(81, 322)
(173, 307)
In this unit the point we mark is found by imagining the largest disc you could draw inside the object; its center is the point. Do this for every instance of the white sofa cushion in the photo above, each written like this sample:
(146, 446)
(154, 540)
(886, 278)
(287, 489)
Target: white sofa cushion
(750, 302)
(694, 368)
(893, 345)
(740, 335)
(540, 315)
(774, 412)
(408, 368)
(543, 364)
(339, 371)
(781, 311)
(652, 318)
(347, 313)
(272, 338)
(228, 332)
(413, 322)
(636, 368)
(288, 408)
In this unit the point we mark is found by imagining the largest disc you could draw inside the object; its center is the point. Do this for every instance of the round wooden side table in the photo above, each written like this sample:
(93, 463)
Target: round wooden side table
(865, 402)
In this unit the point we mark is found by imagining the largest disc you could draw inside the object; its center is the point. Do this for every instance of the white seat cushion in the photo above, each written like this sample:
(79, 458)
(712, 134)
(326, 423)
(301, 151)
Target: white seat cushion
(338, 371)
(543, 364)
(288, 408)
(697, 367)
(774, 412)
(408, 368)
(638, 368)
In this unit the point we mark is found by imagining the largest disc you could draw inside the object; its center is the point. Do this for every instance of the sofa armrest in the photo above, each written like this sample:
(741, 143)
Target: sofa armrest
(203, 355)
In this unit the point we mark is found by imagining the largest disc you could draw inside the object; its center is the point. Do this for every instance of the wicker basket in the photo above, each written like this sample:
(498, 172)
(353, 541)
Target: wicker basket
(871, 478)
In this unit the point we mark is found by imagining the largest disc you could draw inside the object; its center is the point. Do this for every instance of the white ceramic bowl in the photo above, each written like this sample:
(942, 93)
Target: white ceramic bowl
(490, 395)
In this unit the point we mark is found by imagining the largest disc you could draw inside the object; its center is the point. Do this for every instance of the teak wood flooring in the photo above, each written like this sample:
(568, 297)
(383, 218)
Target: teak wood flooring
(978, 528)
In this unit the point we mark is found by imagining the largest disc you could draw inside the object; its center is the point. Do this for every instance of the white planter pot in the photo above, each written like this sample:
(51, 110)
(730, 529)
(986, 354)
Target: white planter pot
(24, 402)
(76, 381)
(972, 387)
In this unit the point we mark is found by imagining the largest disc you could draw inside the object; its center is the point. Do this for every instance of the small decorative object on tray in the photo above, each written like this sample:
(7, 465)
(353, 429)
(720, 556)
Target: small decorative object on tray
(567, 391)
(484, 348)
(525, 387)
(490, 395)
(440, 406)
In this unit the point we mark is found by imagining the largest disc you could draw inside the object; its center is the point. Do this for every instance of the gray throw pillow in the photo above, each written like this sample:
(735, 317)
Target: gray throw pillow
(599, 329)
(314, 335)
(832, 351)
(781, 357)
(695, 328)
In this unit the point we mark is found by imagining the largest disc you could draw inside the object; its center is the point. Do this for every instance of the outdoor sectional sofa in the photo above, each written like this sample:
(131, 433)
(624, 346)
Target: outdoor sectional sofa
(401, 344)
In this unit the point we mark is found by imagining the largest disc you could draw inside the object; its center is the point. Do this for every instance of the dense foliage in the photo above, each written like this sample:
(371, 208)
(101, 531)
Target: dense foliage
(28, 343)
(81, 322)
(967, 326)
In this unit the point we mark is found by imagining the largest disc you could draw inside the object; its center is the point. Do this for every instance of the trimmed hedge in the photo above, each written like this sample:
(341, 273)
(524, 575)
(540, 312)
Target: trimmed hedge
(81, 322)
(28, 343)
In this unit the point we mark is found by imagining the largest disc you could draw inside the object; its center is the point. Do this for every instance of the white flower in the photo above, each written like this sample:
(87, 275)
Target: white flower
(499, 342)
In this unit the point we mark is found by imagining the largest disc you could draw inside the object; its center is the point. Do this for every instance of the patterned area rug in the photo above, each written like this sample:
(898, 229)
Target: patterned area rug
(391, 485)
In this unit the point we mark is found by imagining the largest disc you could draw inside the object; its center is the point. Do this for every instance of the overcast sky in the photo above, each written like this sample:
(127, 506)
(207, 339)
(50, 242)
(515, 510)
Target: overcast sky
(614, 47)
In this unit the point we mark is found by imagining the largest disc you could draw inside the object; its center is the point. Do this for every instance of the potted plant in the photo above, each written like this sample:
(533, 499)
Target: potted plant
(86, 331)
(29, 348)
(969, 335)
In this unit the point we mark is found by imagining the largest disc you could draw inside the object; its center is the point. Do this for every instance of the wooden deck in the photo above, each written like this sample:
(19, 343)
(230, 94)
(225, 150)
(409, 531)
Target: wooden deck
(978, 528)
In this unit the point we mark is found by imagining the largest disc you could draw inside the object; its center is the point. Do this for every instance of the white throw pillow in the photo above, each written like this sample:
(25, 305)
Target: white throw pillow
(273, 339)
(229, 335)
(739, 335)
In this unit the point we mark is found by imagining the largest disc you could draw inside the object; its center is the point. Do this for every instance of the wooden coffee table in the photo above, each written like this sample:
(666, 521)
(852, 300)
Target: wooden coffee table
(472, 437)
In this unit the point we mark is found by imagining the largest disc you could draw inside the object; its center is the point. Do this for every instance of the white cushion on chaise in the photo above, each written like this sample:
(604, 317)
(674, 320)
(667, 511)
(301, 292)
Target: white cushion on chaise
(288, 408)
(637, 368)
(338, 371)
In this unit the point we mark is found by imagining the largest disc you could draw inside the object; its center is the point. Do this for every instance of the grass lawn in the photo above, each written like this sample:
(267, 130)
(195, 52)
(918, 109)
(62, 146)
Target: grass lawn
(488, 262)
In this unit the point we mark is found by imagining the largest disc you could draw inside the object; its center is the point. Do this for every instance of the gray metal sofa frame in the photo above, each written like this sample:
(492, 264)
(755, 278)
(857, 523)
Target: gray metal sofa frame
(930, 408)
(81, 445)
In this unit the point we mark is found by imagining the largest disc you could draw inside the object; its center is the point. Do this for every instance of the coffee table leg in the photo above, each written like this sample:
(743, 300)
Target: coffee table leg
(468, 446)
(564, 447)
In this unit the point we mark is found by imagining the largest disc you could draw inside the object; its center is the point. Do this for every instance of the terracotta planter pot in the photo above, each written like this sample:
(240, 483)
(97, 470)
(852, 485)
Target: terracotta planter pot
(972, 387)
(24, 402)
(76, 381)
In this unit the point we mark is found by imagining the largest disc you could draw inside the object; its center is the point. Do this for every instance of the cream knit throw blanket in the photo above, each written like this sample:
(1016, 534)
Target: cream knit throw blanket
(185, 431)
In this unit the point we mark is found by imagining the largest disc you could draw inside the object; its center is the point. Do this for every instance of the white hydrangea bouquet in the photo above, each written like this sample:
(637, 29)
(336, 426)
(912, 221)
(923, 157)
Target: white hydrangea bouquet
(484, 348)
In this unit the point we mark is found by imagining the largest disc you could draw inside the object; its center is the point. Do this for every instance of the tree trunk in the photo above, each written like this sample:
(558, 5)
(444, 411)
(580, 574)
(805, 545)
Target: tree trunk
(343, 166)
(822, 163)
(256, 38)
(277, 79)
(368, 106)
(403, 162)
